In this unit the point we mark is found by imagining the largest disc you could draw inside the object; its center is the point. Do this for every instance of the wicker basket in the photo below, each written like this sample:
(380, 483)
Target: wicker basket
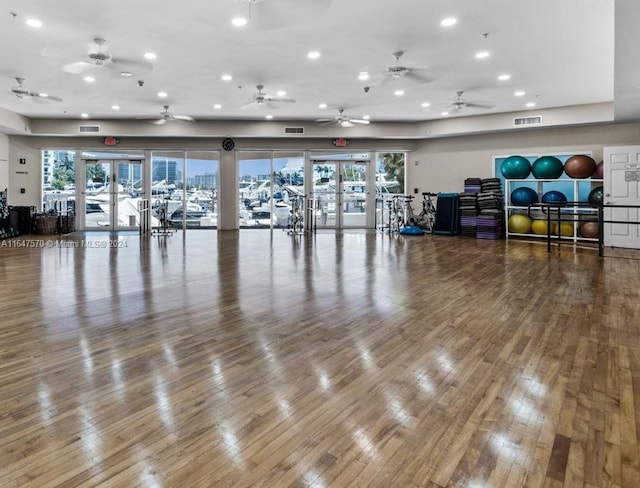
(46, 224)
(67, 224)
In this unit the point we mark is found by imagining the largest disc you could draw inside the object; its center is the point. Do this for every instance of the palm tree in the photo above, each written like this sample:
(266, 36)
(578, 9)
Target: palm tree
(393, 164)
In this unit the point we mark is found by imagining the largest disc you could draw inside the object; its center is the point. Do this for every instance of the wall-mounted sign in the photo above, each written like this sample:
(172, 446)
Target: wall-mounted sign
(111, 141)
(340, 142)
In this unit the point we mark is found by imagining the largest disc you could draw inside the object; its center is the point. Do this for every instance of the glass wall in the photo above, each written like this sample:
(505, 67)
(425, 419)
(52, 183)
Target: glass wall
(270, 188)
(58, 180)
(185, 188)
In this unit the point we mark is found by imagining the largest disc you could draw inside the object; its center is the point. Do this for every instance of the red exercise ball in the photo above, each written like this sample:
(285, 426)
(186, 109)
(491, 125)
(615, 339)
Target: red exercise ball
(589, 229)
(599, 173)
(580, 166)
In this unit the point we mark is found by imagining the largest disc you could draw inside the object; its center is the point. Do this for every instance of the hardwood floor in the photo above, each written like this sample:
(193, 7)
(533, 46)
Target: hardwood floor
(255, 359)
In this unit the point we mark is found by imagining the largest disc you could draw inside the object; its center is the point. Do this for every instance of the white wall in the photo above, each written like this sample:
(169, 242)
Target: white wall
(27, 176)
(443, 164)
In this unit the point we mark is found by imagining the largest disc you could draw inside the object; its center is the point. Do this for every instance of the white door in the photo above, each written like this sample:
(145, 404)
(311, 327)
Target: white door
(621, 187)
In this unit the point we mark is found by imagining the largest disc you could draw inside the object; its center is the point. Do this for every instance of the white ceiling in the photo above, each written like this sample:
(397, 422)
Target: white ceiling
(560, 52)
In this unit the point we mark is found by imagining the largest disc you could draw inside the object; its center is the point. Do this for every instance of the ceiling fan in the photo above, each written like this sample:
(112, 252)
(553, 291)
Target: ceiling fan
(459, 103)
(99, 56)
(342, 120)
(264, 100)
(21, 92)
(421, 75)
(167, 116)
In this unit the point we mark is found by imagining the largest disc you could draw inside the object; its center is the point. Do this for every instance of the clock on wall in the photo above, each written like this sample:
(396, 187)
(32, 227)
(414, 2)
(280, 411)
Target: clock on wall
(228, 144)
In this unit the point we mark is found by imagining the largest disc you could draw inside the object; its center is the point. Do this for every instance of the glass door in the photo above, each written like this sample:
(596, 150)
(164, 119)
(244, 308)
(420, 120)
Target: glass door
(111, 194)
(340, 192)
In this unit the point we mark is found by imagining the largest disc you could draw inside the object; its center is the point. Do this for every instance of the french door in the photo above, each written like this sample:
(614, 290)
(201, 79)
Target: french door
(341, 193)
(112, 189)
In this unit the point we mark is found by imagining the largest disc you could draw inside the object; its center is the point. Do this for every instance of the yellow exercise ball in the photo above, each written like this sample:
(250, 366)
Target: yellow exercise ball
(566, 229)
(539, 227)
(519, 224)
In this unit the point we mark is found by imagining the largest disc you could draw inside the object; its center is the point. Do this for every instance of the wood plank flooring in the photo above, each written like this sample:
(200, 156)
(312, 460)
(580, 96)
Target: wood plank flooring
(256, 359)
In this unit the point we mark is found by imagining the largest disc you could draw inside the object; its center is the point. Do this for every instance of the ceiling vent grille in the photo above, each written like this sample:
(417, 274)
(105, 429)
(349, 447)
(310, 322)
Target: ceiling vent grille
(89, 129)
(294, 130)
(533, 120)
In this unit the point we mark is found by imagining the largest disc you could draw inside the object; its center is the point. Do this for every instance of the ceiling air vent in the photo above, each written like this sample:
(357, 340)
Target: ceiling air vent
(533, 120)
(294, 130)
(89, 129)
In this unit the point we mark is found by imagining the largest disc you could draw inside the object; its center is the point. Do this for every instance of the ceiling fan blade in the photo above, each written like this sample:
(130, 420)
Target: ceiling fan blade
(359, 121)
(38, 96)
(78, 67)
(184, 118)
(280, 99)
(346, 123)
(159, 122)
(480, 104)
(130, 64)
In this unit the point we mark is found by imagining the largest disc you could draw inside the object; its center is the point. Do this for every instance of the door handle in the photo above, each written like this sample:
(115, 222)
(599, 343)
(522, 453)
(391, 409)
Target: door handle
(607, 194)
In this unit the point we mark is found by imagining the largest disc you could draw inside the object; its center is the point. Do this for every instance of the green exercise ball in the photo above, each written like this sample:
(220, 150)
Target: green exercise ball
(547, 168)
(596, 196)
(519, 224)
(515, 167)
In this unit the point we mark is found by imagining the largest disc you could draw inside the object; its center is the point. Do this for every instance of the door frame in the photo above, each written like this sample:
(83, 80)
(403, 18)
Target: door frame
(113, 181)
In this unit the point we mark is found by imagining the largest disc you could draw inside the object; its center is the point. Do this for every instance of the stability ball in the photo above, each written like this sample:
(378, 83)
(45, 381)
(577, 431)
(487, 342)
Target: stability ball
(580, 166)
(599, 172)
(523, 196)
(566, 229)
(515, 167)
(519, 224)
(589, 229)
(554, 196)
(547, 168)
(596, 196)
(539, 227)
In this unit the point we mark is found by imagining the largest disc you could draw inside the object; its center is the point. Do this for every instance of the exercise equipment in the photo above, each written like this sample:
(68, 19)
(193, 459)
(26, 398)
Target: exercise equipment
(540, 227)
(599, 172)
(553, 196)
(519, 224)
(547, 168)
(590, 230)
(411, 230)
(580, 166)
(524, 196)
(566, 229)
(446, 214)
(596, 196)
(515, 167)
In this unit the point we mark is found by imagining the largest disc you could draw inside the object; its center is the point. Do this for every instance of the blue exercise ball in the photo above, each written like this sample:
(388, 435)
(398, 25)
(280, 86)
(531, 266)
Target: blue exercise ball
(547, 168)
(554, 196)
(524, 196)
(515, 168)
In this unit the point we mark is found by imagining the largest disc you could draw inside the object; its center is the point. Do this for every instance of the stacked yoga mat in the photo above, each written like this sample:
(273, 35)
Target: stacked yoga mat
(490, 220)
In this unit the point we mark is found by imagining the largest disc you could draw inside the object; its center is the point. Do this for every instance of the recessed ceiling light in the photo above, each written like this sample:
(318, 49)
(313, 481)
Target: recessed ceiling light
(84, 116)
(363, 76)
(217, 106)
(322, 105)
(150, 55)
(398, 93)
(519, 93)
(281, 93)
(530, 104)
(425, 104)
(34, 23)
(163, 94)
(43, 95)
(89, 79)
(226, 77)
(313, 54)
(482, 54)
(239, 21)
(126, 74)
(366, 117)
(268, 117)
(115, 107)
(504, 77)
(444, 113)
(448, 22)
